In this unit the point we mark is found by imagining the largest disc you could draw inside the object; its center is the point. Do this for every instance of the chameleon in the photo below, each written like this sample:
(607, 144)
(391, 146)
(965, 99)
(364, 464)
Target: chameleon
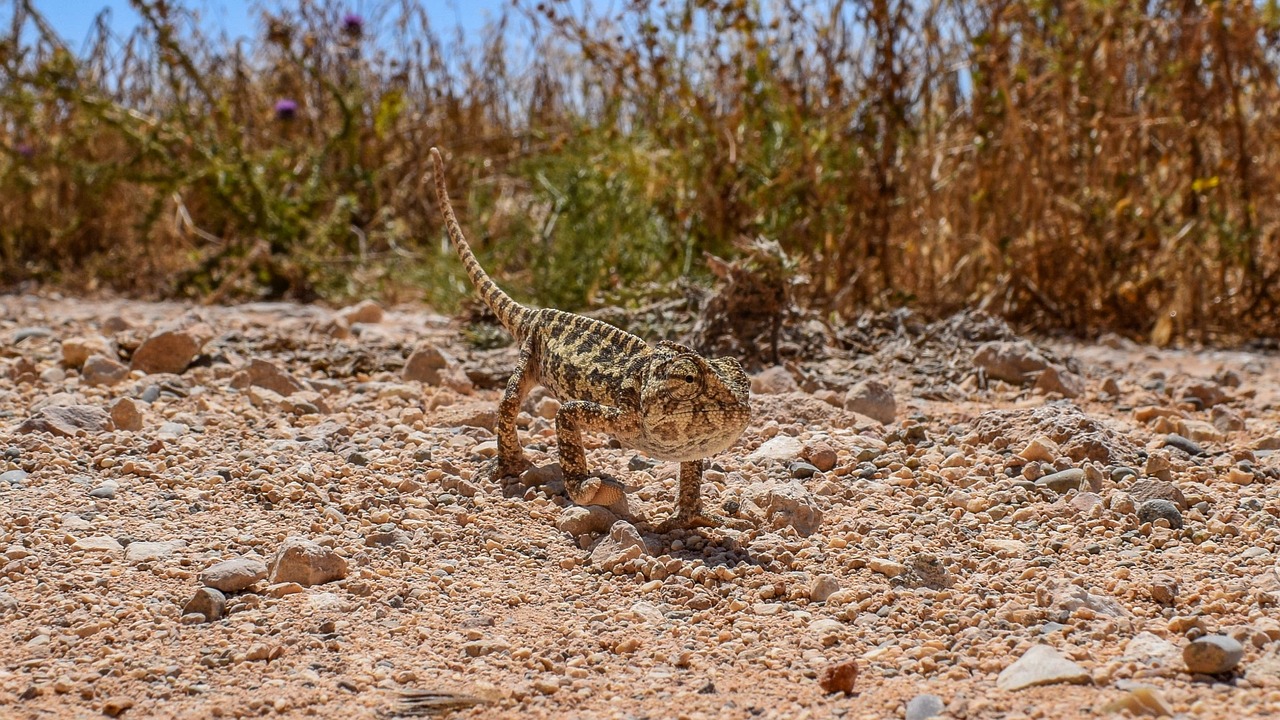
(664, 400)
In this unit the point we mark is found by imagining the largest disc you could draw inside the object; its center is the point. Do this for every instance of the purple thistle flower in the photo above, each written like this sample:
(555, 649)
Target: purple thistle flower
(286, 109)
(353, 25)
(26, 150)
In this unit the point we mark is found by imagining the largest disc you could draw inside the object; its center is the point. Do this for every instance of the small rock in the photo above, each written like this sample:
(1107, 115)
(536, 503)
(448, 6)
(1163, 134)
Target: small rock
(97, 543)
(1041, 665)
(306, 563)
(167, 351)
(115, 705)
(1039, 449)
(100, 370)
(138, 552)
(432, 366)
(268, 376)
(387, 538)
(13, 477)
(106, 491)
(1140, 701)
(786, 504)
(1206, 394)
(577, 520)
(873, 399)
(1164, 589)
(781, 447)
(923, 707)
(886, 567)
(1151, 489)
(208, 602)
(8, 604)
(68, 420)
(1061, 482)
(234, 575)
(623, 544)
(76, 350)
(827, 630)
(1151, 510)
(639, 462)
(126, 414)
(1213, 654)
(802, 470)
(1013, 362)
(823, 587)
(365, 311)
(1186, 445)
(820, 453)
(1059, 380)
(773, 381)
(838, 677)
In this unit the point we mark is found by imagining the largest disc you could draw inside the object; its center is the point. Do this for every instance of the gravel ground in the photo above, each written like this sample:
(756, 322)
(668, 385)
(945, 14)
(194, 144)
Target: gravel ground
(276, 510)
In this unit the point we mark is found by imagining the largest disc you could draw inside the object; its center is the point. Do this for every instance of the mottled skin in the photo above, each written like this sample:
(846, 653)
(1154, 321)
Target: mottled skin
(664, 400)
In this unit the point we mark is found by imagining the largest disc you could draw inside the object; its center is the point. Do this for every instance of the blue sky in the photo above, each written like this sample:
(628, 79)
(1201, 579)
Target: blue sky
(74, 18)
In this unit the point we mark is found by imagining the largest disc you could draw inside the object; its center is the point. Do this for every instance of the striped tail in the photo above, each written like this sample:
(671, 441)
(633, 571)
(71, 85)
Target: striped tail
(513, 316)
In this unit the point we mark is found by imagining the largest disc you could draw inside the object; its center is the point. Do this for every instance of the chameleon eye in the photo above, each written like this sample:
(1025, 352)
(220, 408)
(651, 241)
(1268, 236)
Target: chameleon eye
(689, 379)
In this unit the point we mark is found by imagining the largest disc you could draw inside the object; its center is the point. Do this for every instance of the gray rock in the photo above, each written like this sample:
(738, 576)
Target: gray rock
(1152, 510)
(873, 399)
(306, 563)
(104, 492)
(1061, 482)
(1041, 665)
(577, 520)
(68, 420)
(784, 504)
(14, 477)
(1213, 654)
(1013, 362)
(208, 602)
(923, 707)
(387, 538)
(802, 470)
(234, 575)
(26, 333)
(639, 462)
(138, 552)
(100, 370)
(8, 604)
(1120, 474)
(1059, 380)
(1186, 445)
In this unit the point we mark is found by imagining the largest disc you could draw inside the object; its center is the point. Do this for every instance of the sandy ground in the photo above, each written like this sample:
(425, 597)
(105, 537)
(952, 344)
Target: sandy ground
(934, 552)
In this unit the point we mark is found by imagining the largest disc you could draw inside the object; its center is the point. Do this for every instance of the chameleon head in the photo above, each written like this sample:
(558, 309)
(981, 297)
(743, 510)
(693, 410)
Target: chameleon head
(692, 407)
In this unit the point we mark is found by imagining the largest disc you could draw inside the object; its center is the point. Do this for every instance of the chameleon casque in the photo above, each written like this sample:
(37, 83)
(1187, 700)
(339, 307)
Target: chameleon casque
(664, 400)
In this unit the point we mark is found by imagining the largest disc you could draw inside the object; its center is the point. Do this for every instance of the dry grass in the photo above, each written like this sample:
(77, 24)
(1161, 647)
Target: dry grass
(1072, 165)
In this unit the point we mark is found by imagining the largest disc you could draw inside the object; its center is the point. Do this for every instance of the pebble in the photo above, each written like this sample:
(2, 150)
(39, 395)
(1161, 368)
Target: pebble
(1120, 474)
(430, 365)
(1041, 665)
(208, 602)
(838, 677)
(97, 543)
(1151, 510)
(1140, 701)
(775, 380)
(1213, 654)
(68, 420)
(105, 371)
(1039, 449)
(1153, 489)
(234, 575)
(640, 462)
(77, 350)
(623, 544)
(1164, 589)
(14, 477)
(1063, 481)
(781, 447)
(802, 470)
(873, 399)
(923, 707)
(116, 705)
(106, 491)
(823, 587)
(786, 505)
(139, 552)
(1013, 362)
(306, 563)
(126, 414)
(268, 376)
(1186, 445)
(886, 567)
(366, 311)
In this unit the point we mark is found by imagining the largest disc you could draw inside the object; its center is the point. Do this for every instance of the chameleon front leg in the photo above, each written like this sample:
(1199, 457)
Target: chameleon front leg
(571, 419)
(511, 460)
(688, 513)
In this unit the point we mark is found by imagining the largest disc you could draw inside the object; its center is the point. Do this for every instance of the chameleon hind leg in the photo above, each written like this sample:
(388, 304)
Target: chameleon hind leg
(511, 460)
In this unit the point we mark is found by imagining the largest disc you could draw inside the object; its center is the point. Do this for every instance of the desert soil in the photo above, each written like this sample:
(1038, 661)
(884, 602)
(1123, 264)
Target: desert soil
(1095, 531)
